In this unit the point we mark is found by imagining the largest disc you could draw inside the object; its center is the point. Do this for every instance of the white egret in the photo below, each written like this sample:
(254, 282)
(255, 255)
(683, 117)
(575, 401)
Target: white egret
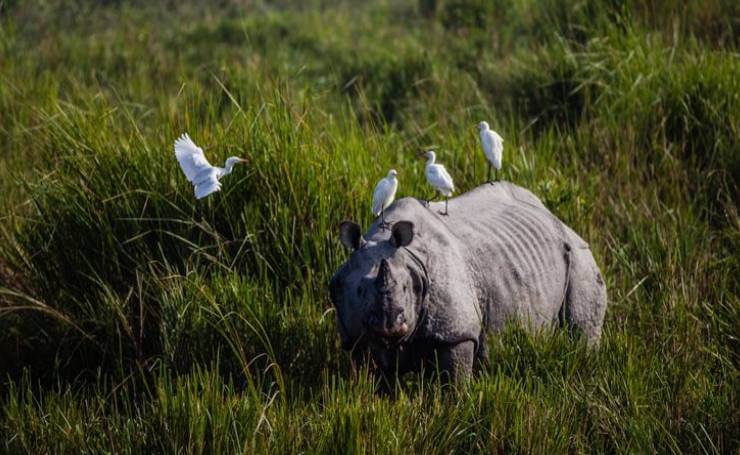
(493, 147)
(385, 192)
(204, 177)
(438, 177)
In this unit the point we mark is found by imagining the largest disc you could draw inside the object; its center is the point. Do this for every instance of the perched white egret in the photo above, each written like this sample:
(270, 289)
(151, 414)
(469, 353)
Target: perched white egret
(385, 192)
(438, 177)
(204, 177)
(493, 147)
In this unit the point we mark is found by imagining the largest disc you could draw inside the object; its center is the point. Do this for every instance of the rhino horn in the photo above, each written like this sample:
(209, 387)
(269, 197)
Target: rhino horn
(384, 275)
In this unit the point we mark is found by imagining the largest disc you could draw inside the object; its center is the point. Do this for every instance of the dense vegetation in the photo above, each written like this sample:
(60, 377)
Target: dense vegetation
(133, 318)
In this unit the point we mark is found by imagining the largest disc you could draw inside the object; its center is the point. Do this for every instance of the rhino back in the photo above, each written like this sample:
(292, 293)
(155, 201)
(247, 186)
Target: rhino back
(519, 265)
(498, 255)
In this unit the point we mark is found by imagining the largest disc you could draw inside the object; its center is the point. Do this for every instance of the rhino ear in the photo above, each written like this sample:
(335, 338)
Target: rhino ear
(350, 234)
(402, 233)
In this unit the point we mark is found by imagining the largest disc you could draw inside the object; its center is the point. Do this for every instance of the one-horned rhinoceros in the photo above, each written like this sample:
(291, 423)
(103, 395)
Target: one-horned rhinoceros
(424, 292)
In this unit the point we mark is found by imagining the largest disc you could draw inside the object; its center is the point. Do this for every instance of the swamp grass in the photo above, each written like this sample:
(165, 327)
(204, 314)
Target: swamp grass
(134, 318)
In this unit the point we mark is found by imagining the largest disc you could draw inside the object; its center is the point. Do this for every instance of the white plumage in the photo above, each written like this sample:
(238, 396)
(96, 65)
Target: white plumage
(438, 177)
(493, 147)
(385, 193)
(204, 176)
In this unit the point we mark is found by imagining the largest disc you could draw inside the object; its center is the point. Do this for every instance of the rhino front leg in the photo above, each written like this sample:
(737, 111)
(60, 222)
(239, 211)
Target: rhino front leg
(360, 356)
(387, 367)
(456, 361)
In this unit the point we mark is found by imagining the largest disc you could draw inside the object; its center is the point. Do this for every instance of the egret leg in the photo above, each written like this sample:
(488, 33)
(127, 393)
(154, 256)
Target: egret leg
(489, 173)
(497, 175)
(445, 212)
(382, 220)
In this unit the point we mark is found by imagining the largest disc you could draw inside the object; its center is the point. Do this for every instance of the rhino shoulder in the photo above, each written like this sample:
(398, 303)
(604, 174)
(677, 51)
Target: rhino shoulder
(525, 196)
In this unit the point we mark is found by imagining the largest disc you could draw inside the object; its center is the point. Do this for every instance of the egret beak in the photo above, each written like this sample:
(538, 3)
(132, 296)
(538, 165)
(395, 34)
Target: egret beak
(243, 160)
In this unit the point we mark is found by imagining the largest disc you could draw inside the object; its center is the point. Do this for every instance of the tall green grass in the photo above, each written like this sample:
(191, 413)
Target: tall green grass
(135, 318)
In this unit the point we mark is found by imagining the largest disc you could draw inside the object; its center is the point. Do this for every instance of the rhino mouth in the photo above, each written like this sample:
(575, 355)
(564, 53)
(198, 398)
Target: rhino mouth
(398, 331)
(389, 323)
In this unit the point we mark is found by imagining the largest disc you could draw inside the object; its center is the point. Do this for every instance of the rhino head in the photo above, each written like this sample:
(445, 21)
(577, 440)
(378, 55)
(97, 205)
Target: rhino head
(379, 291)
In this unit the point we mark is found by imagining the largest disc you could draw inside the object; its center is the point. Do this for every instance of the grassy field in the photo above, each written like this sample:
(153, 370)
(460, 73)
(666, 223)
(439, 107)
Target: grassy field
(134, 318)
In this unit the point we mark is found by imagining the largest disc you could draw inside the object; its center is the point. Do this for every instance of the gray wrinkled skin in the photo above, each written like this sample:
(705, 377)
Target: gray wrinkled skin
(424, 292)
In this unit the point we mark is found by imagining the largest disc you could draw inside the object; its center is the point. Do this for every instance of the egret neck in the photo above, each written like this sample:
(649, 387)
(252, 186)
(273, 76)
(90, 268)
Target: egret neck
(431, 157)
(229, 165)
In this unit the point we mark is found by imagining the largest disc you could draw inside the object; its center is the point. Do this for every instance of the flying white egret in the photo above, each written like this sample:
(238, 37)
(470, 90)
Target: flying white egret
(385, 192)
(438, 177)
(493, 147)
(204, 177)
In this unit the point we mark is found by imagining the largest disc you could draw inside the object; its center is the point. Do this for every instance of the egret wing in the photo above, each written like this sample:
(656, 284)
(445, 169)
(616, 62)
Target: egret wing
(486, 143)
(380, 195)
(207, 186)
(202, 191)
(493, 145)
(191, 157)
(446, 178)
(440, 178)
